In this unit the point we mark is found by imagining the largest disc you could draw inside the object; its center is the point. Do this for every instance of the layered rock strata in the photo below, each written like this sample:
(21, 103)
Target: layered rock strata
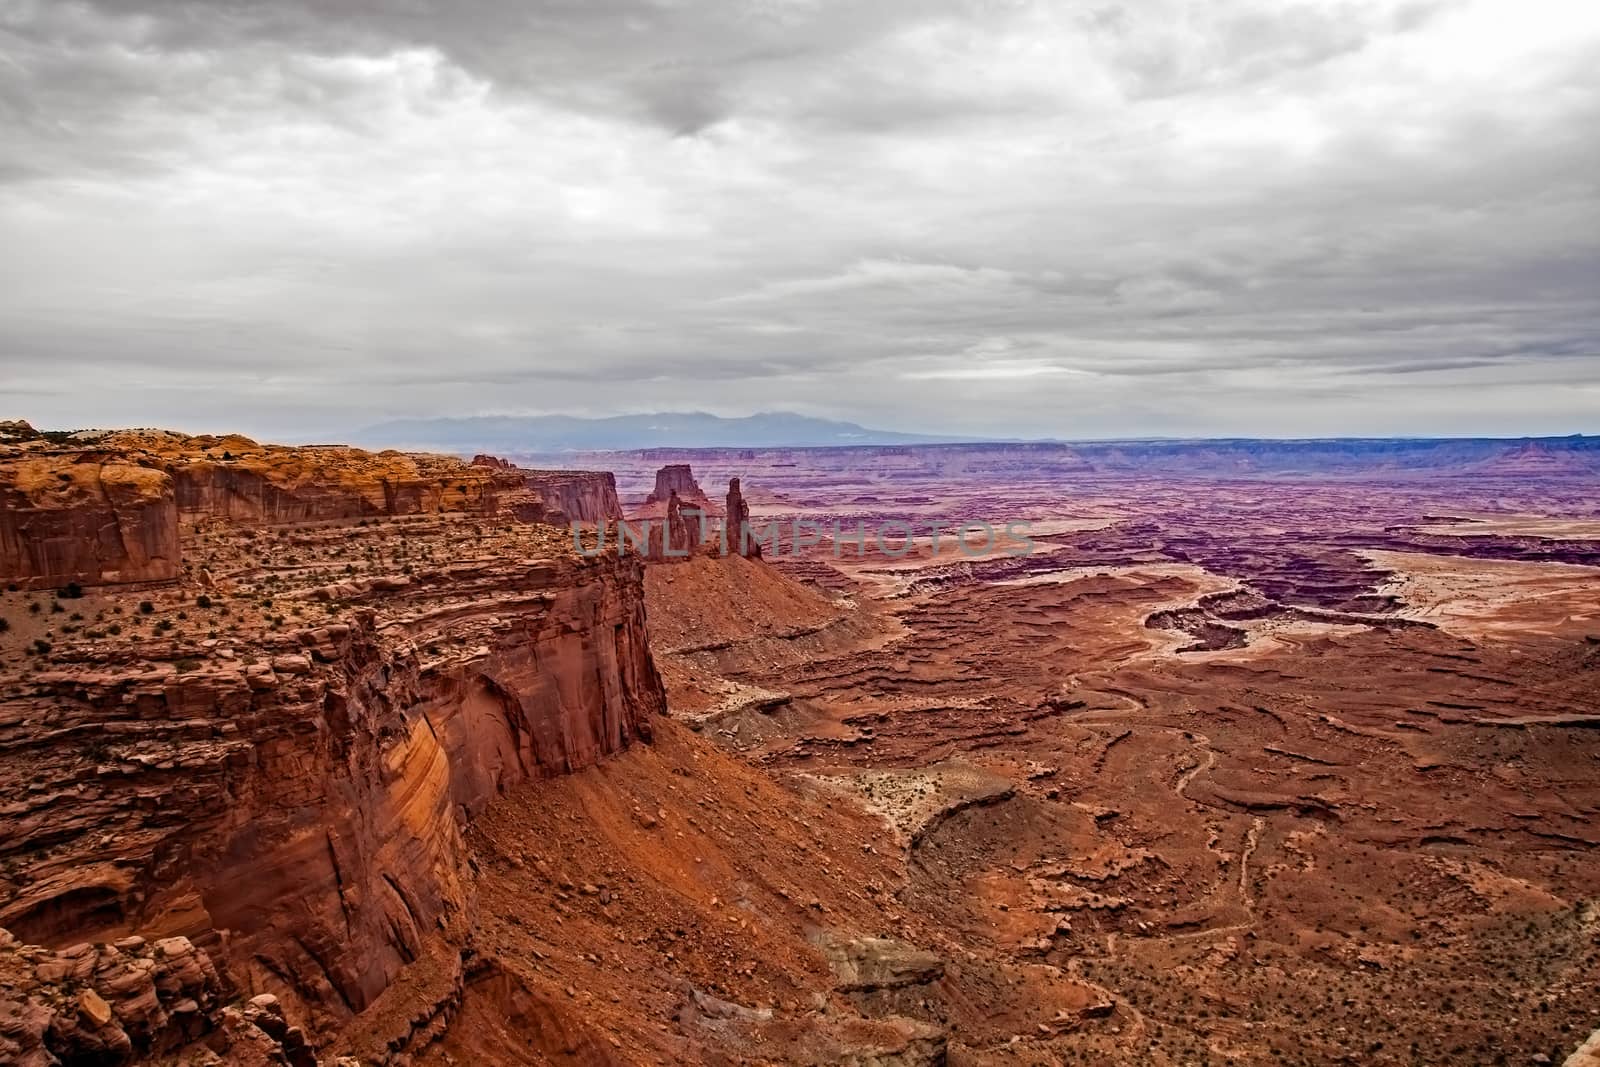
(134, 1000)
(236, 479)
(290, 796)
(560, 497)
(676, 478)
(85, 516)
(575, 496)
(106, 508)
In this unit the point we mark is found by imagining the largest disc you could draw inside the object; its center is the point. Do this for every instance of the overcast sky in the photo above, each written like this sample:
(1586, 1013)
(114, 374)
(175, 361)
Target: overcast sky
(1002, 217)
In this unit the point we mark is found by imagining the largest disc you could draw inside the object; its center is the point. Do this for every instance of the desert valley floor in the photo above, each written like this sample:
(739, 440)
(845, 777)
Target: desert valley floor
(1270, 768)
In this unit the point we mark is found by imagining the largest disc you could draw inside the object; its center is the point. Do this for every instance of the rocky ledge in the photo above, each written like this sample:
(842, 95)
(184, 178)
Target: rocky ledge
(264, 763)
(100, 508)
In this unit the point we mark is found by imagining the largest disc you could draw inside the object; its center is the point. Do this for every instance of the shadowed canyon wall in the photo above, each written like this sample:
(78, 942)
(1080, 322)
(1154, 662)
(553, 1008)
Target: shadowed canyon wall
(576, 496)
(558, 496)
(285, 803)
(299, 816)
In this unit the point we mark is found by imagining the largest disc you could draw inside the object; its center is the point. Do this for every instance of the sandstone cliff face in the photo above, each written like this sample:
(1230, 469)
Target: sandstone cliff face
(561, 497)
(297, 813)
(283, 799)
(86, 517)
(104, 508)
(675, 478)
(108, 510)
(238, 493)
(237, 480)
(576, 496)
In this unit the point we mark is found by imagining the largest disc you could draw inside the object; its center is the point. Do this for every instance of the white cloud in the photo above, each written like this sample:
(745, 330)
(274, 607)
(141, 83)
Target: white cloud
(1229, 216)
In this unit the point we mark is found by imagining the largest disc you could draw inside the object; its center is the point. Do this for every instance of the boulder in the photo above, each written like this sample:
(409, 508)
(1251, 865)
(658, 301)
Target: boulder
(865, 964)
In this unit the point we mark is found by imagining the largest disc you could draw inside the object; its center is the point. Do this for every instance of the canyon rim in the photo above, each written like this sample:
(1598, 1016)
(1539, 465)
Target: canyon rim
(799, 533)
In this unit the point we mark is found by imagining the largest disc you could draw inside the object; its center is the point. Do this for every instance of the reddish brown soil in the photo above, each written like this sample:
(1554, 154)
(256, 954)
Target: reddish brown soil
(1284, 798)
(612, 898)
(1238, 771)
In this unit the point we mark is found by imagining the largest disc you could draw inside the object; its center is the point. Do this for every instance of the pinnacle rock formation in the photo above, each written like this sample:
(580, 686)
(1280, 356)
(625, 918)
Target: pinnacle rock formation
(682, 535)
(736, 521)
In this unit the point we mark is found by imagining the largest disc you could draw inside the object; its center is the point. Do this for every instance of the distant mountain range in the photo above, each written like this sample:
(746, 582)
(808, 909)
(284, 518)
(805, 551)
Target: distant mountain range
(664, 432)
(566, 433)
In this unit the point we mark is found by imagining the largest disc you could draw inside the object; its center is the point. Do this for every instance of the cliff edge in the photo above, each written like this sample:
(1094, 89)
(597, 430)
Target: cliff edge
(269, 749)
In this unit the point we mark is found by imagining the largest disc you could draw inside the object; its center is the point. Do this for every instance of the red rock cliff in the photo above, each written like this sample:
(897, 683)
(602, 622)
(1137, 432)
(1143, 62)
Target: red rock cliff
(89, 517)
(562, 497)
(294, 805)
(234, 478)
(107, 510)
(675, 478)
(577, 496)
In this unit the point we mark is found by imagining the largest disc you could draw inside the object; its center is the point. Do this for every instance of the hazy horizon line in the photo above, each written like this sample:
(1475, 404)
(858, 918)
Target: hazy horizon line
(930, 439)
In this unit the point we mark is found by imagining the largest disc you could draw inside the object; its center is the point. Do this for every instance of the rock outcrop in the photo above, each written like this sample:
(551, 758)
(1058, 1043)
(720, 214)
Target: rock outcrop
(561, 497)
(106, 508)
(1587, 1054)
(133, 1000)
(680, 534)
(676, 478)
(312, 794)
(683, 531)
(869, 964)
(234, 479)
(736, 523)
(575, 496)
(89, 517)
(188, 766)
(679, 528)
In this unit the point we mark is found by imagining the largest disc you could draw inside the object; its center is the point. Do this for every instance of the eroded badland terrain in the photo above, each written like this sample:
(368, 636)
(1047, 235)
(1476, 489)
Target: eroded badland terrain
(1260, 755)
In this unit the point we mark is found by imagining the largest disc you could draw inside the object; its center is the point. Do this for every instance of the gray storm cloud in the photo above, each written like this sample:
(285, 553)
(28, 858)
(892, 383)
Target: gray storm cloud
(962, 217)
